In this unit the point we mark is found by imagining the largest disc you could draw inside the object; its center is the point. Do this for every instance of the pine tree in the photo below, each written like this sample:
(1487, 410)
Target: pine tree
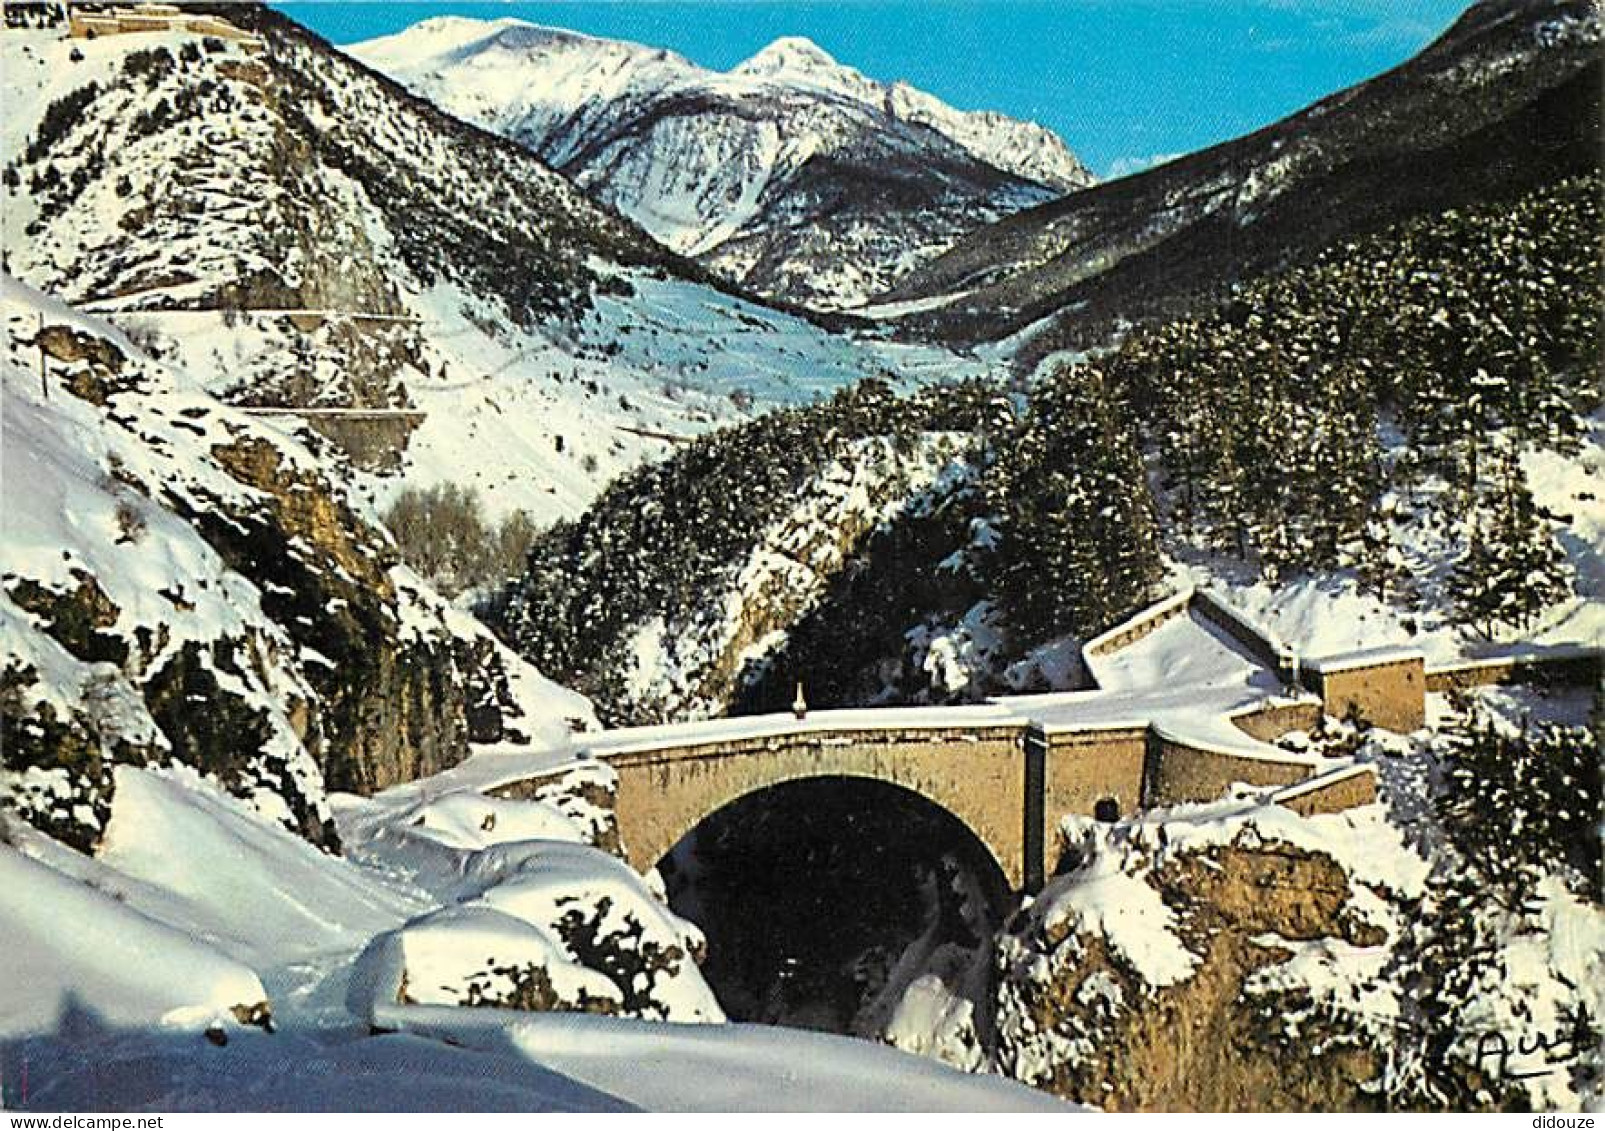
(1375, 559)
(1512, 569)
(1078, 546)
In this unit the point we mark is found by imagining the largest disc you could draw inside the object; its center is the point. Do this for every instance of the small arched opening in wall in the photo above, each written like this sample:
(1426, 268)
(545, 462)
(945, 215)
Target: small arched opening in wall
(822, 900)
(1107, 810)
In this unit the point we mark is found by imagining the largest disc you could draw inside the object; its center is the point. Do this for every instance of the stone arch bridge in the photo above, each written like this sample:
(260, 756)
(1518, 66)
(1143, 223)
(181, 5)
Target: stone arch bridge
(1008, 779)
(1190, 698)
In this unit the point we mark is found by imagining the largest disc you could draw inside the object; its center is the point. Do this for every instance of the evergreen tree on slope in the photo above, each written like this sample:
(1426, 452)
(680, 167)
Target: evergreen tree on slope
(1078, 547)
(1512, 570)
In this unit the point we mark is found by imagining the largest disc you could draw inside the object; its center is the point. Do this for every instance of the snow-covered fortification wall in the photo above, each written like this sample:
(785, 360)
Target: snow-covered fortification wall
(1385, 687)
(1576, 665)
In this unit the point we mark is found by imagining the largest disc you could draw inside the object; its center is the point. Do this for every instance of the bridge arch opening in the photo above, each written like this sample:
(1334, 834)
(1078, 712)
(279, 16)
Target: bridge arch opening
(825, 898)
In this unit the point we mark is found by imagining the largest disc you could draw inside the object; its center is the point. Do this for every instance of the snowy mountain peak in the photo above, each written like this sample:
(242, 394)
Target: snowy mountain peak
(442, 34)
(776, 174)
(790, 54)
(520, 36)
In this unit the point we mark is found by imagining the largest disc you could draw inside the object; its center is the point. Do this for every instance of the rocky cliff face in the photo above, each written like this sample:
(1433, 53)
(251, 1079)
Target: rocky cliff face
(1080, 1016)
(791, 173)
(182, 583)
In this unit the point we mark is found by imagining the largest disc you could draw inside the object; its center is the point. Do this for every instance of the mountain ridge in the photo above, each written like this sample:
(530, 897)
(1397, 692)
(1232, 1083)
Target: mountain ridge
(734, 167)
(544, 342)
(1505, 99)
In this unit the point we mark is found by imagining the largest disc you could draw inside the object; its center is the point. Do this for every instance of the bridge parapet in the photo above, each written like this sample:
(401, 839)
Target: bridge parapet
(814, 739)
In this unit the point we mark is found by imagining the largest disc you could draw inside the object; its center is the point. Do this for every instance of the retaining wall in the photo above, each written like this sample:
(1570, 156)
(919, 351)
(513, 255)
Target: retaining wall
(1387, 692)
(1331, 793)
(1271, 722)
(1571, 667)
(373, 443)
(1180, 771)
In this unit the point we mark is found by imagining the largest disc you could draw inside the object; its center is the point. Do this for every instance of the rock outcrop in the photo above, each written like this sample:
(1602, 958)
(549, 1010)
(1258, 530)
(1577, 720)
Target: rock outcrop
(1087, 1024)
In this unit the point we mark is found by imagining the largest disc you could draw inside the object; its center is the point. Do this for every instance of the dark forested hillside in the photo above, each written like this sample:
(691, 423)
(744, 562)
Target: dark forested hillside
(1507, 100)
(669, 543)
(1365, 414)
(1430, 354)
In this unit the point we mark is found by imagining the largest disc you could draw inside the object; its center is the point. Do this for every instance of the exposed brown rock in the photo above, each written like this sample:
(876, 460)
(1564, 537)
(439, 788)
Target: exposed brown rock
(1201, 1043)
(64, 343)
(304, 509)
(531, 990)
(74, 617)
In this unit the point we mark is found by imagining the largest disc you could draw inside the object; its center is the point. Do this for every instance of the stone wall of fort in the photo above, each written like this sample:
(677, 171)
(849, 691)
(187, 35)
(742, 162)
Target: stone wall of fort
(1331, 793)
(1133, 629)
(1574, 667)
(1181, 771)
(1272, 721)
(1388, 692)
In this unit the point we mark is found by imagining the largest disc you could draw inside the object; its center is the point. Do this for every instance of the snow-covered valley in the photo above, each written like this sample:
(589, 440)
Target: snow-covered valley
(217, 962)
(190, 231)
(180, 932)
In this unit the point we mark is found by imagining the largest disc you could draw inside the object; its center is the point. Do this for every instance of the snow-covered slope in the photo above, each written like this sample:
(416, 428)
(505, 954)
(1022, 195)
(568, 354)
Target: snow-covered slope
(668, 598)
(792, 173)
(162, 549)
(1431, 958)
(200, 917)
(503, 332)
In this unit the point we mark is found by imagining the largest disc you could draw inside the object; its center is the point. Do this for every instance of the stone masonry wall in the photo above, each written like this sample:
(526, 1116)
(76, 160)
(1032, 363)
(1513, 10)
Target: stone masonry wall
(977, 775)
(1581, 669)
(1179, 772)
(1391, 694)
(1085, 767)
(1270, 723)
(1333, 793)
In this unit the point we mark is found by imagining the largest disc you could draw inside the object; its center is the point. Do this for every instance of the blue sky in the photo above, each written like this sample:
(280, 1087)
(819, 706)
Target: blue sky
(1122, 81)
